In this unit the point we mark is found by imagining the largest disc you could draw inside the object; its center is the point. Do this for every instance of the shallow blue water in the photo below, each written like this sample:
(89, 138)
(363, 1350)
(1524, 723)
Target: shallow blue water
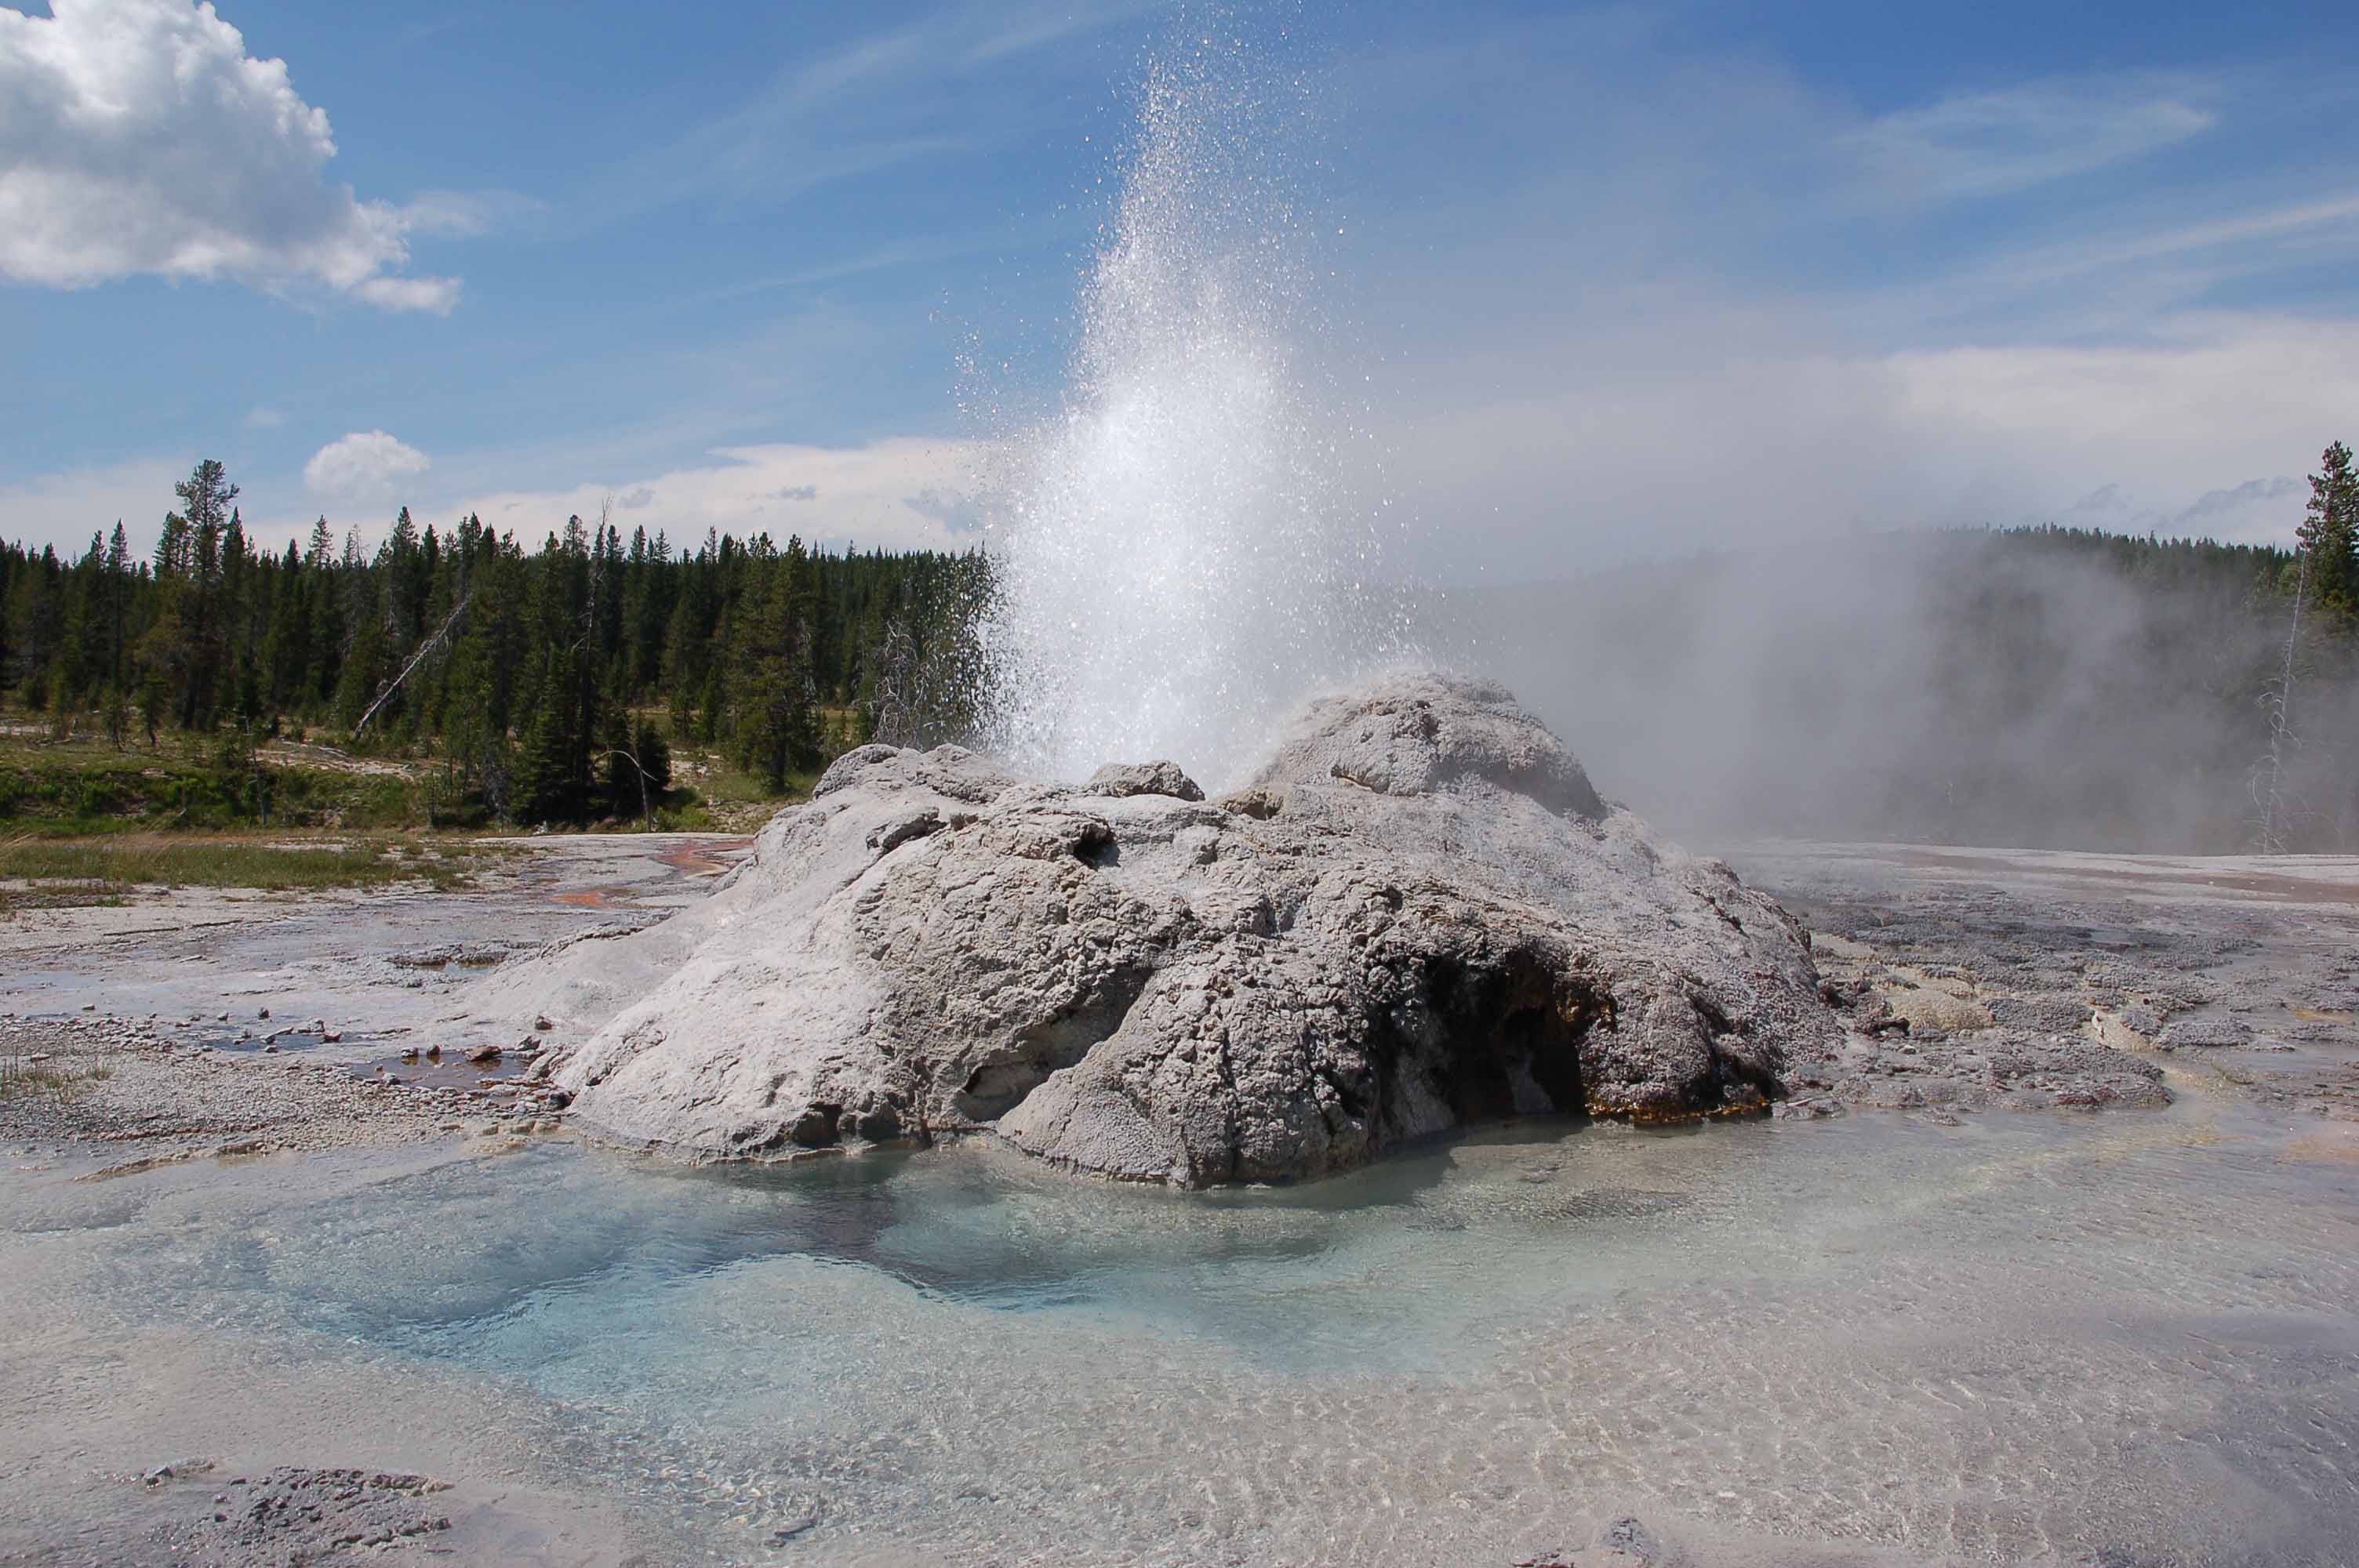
(2018, 1338)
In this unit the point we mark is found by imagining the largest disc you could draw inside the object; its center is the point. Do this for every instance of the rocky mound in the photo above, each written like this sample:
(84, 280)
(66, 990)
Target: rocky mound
(1419, 916)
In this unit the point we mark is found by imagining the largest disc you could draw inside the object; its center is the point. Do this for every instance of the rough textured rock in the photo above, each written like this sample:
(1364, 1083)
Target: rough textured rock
(294, 1517)
(1120, 779)
(2055, 1015)
(1420, 915)
(2212, 1033)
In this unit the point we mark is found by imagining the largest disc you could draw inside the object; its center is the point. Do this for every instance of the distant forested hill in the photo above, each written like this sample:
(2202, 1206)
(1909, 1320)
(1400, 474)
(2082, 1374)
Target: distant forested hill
(532, 669)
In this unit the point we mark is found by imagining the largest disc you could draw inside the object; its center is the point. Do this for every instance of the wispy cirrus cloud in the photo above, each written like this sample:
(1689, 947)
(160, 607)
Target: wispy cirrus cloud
(875, 103)
(1997, 143)
(466, 214)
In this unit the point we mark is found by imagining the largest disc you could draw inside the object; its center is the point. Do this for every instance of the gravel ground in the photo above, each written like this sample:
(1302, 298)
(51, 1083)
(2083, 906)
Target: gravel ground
(126, 1092)
(1974, 979)
(182, 1023)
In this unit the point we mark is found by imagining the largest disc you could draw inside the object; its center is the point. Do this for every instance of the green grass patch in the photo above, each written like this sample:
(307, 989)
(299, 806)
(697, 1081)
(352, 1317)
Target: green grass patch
(85, 790)
(80, 785)
(99, 870)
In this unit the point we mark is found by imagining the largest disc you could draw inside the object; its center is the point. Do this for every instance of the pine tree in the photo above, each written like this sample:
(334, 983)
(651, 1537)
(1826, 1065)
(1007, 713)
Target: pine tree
(369, 662)
(118, 604)
(80, 654)
(552, 763)
(287, 639)
(2330, 532)
(773, 718)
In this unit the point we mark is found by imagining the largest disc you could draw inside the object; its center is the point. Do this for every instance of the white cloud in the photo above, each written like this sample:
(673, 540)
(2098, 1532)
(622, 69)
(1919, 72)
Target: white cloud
(136, 136)
(366, 465)
(1713, 432)
(262, 416)
(874, 494)
(66, 509)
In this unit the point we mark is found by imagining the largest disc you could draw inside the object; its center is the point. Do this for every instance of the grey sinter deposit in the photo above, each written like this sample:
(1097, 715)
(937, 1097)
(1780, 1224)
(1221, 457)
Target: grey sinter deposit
(1419, 916)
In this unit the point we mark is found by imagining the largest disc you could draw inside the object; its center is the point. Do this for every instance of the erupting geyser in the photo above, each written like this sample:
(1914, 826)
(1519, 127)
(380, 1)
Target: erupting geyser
(1415, 913)
(1179, 564)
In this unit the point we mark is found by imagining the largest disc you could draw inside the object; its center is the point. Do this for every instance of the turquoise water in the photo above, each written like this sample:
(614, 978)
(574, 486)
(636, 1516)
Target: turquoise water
(2017, 1339)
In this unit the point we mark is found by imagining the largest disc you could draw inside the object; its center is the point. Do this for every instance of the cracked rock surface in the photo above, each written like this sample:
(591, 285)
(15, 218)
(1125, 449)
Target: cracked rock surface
(1420, 915)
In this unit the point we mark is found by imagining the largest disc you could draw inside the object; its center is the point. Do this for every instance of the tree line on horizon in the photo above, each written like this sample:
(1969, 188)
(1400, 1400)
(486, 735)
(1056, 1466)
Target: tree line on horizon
(535, 673)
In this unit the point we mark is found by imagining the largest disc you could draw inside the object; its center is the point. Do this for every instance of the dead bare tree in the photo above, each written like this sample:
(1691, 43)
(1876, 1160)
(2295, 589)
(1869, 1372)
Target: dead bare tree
(647, 789)
(415, 659)
(2270, 793)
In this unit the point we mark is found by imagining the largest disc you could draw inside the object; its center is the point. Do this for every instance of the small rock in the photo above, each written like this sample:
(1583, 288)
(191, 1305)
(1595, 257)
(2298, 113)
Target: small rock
(1118, 779)
(1632, 1538)
(481, 1053)
(263, 1012)
(543, 1024)
(786, 1532)
(332, 1035)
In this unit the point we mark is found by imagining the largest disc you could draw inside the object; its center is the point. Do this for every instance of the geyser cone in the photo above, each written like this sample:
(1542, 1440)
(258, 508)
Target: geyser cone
(1179, 566)
(1419, 916)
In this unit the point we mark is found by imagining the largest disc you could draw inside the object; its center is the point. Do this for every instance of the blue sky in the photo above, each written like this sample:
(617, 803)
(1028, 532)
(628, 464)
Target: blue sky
(1617, 280)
